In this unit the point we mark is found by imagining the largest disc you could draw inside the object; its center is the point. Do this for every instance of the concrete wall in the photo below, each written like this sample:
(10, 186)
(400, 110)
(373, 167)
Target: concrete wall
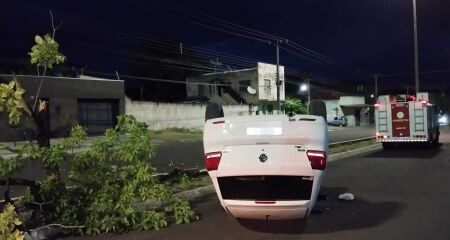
(169, 115)
(62, 94)
(351, 100)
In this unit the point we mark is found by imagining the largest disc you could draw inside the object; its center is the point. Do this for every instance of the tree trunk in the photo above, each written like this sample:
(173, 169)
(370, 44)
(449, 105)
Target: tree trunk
(43, 134)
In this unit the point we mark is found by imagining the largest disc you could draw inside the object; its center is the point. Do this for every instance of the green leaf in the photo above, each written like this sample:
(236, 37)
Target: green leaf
(38, 39)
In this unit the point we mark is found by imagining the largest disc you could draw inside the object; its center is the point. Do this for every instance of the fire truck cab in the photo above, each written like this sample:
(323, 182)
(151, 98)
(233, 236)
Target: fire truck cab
(406, 119)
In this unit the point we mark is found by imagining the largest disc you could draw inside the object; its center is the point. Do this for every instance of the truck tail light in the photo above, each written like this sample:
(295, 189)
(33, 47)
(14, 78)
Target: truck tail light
(317, 159)
(377, 106)
(212, 160)
(424, 103)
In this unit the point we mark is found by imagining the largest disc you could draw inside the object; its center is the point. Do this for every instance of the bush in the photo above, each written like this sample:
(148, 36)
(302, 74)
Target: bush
(294, 106)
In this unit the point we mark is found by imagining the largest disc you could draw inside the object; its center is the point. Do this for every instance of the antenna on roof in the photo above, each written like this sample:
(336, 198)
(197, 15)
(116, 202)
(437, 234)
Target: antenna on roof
(117, 74)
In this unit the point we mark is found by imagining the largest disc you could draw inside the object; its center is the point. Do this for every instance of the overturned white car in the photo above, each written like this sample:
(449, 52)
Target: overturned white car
(266, 166)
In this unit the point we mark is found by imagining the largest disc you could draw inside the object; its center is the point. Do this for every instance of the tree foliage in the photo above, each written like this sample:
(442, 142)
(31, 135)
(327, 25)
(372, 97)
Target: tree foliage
(107, 181)
(9, 223)
(11, 95)
(45, 53)
(103, 184)
(294, 106)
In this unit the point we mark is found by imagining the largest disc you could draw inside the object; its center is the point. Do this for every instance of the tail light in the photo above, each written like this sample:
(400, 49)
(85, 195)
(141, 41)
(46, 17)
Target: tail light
(424, 103)
(212, 160)
(377, 106)
(317, 159)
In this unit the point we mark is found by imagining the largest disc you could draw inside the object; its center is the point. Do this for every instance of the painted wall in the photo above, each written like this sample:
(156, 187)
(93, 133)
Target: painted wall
(170, 115)
(62, 93)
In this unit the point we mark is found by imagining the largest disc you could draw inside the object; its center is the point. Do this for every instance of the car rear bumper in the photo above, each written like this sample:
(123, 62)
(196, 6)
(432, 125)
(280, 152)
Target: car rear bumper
(275, 197)
(282, 210)
(401, 139)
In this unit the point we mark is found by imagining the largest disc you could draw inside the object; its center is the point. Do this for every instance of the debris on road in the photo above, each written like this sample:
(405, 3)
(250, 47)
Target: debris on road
(346, 197)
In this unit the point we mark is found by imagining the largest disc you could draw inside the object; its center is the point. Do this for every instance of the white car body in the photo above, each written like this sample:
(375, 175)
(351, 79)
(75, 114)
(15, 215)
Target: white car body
(261, 166)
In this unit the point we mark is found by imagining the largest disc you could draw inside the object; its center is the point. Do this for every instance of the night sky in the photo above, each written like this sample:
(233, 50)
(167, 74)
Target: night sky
(358, 38)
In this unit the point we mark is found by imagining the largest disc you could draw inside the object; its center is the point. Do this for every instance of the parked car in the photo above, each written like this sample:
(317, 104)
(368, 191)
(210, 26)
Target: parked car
(266, 166)
(443, 119)
(338, 121)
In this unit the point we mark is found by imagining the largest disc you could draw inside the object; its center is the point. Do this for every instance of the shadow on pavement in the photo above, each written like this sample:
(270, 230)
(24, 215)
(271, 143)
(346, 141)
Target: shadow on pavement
(332, 215)
(412, 150)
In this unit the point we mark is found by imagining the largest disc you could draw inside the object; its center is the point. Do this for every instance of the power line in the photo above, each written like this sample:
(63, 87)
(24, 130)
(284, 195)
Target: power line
(125, 37)
(206, 25)
(204, 17)
(240, 28)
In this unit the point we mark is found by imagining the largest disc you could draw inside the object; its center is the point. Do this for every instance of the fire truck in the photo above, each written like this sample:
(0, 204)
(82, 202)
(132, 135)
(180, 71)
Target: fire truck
(405, 119)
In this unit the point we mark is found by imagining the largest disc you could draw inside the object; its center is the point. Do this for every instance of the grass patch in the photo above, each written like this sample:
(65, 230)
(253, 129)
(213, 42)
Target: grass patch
(351, 146)
(177, 135)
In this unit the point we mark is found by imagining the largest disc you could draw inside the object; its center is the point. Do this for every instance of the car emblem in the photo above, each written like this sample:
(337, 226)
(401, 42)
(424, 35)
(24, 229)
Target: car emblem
(262, 157)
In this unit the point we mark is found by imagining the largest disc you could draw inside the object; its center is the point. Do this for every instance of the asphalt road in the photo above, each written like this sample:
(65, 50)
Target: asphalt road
(190, 154)
(399, 194)
(186, 155)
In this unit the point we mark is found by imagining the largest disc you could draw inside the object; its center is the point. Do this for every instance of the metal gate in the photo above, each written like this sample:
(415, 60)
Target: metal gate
(97, 115)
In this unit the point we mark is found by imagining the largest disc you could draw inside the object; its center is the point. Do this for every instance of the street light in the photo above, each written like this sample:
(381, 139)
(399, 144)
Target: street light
(303, 87)
(306, 88)
(416, 49)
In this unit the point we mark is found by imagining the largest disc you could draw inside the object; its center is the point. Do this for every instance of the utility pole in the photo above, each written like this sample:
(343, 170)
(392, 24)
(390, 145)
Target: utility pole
(416, 49)
(376, 86)
(278, 77)
(309, 95)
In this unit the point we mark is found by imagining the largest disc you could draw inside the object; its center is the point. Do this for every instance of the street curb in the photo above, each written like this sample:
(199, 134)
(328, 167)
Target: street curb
(354, 152)
(197, 194)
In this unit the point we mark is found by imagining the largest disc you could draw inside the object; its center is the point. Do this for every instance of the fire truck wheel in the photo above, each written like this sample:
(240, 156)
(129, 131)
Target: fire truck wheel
(388, 146)
(435, 141)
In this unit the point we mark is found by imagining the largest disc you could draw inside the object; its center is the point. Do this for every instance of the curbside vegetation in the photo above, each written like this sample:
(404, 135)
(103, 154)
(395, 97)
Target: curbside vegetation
(108, 180)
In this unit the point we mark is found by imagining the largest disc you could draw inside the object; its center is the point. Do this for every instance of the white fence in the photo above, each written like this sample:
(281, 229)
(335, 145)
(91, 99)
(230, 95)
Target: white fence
(171, 115)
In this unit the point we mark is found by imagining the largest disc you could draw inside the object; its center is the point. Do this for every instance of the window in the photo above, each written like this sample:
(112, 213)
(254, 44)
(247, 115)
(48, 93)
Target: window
(97, 115)
(267, 85)
(243, 85)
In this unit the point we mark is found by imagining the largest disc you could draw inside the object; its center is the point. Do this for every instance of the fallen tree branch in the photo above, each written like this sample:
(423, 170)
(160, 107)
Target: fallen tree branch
(57, 225)
(42, 204)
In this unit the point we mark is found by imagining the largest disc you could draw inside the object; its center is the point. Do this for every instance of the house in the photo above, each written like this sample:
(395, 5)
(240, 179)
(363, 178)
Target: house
(254, 86)
(354, 108)
(91, 102)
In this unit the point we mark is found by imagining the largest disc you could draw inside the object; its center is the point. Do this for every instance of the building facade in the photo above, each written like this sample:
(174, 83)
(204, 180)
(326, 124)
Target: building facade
(91, 102)
(354, 108)
(254, 86)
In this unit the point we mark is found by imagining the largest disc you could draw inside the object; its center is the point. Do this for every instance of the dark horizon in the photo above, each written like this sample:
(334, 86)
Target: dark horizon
(356, 39)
